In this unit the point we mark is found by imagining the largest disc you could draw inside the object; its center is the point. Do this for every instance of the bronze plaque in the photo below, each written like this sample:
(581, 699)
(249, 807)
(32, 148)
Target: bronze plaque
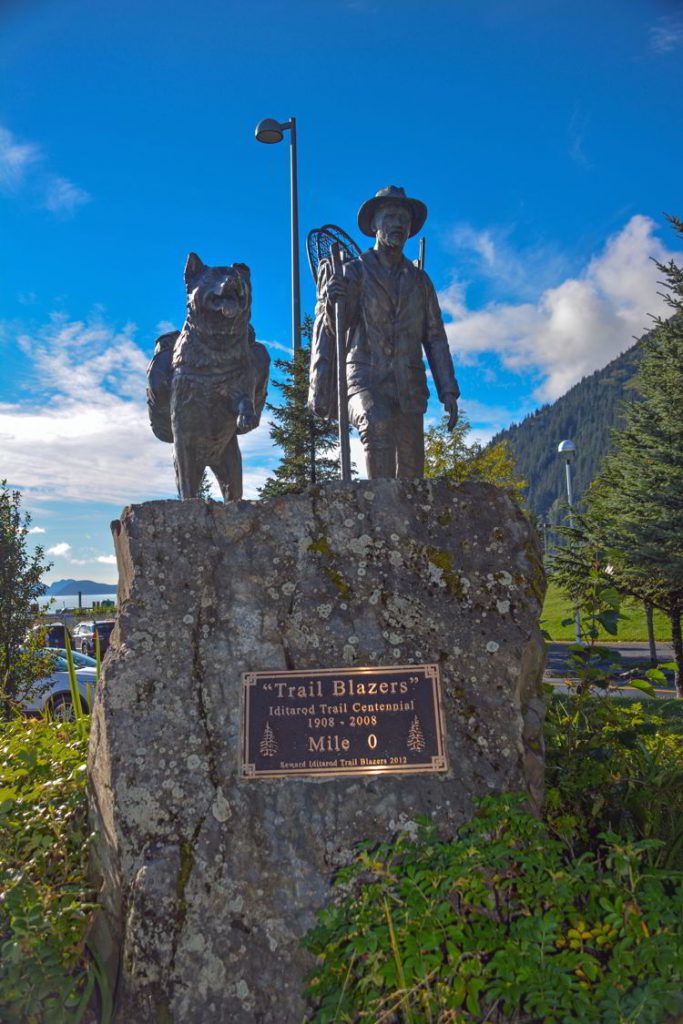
(342, 721)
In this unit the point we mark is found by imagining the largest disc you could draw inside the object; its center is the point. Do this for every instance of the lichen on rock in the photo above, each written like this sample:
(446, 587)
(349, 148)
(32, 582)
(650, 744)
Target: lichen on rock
(209, 879)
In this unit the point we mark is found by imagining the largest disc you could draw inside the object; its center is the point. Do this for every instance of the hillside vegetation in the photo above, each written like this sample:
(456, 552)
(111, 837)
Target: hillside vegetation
(585, 415)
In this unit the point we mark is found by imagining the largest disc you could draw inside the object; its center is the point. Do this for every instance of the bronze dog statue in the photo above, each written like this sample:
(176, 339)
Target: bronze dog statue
(207, 383)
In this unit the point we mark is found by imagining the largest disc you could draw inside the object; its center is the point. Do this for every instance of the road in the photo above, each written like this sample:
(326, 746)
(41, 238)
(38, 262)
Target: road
(631, 656)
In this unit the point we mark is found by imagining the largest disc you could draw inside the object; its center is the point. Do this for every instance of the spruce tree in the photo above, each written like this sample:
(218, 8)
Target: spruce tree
(305, 440)
(636, 506)
(204, 491)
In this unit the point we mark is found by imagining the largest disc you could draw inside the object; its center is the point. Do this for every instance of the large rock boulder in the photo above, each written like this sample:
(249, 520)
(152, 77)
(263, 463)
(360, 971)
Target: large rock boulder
(210, 879)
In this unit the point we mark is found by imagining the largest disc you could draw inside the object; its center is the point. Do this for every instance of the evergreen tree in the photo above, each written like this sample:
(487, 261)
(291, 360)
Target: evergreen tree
(204, 491)
(305, 440)
(448, 453)
(635, 509)
(20, 587)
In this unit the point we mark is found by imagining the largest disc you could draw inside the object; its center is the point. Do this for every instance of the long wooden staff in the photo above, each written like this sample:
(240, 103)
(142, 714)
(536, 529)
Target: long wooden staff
(342, 395)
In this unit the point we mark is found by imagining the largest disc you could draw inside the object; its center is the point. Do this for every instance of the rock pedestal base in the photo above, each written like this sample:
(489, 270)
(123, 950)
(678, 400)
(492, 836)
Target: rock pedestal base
(209, 880)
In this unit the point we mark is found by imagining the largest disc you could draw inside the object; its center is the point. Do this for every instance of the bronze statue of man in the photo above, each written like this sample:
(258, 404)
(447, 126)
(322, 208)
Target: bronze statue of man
(391, 314)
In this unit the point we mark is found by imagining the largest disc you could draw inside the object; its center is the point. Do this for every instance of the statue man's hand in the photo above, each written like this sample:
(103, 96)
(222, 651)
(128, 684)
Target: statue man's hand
(451, 407)
(337, 288)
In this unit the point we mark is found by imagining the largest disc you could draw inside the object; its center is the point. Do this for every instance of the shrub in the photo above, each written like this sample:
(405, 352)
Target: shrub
(20, 586)
(498, 925)
(46, 976)
(618, 765)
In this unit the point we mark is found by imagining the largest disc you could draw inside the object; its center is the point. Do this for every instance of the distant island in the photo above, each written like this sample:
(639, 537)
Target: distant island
(71, 588)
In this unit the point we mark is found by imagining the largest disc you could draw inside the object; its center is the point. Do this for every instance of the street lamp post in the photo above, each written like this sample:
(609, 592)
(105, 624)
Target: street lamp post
(567, 450)
(271, 131)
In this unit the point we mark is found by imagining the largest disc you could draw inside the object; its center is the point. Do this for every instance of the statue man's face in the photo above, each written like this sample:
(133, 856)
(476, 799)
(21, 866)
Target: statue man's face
(392, 225)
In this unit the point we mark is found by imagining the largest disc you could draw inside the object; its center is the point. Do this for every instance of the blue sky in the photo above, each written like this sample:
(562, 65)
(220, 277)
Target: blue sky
(544, 136)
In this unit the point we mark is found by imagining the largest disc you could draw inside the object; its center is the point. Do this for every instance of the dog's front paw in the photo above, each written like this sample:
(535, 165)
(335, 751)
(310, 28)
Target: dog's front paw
(247, 420)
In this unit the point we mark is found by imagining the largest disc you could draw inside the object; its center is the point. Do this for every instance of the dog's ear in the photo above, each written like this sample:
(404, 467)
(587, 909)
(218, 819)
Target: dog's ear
(193, 268)
(243, 270)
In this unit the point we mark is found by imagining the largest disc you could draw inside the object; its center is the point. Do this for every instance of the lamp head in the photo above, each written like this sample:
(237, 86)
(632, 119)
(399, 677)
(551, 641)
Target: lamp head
(567, 449)
(269, 131)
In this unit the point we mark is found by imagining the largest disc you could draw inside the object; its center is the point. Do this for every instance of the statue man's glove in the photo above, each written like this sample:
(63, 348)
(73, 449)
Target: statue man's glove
(450, 404)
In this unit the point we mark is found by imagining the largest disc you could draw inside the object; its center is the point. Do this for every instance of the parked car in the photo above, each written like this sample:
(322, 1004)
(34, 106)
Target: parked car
(55, 633)
(52, 694)
(80, 660)
(83, 635)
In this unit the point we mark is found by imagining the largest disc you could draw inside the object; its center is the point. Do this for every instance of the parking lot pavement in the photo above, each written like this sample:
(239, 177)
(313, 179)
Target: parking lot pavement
(560, 686)
(631, 658)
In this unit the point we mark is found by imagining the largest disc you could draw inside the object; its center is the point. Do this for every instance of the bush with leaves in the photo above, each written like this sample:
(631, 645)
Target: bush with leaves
(46, 973)
(20, 587)
(450, 453)
(498, 926)
(618, 765)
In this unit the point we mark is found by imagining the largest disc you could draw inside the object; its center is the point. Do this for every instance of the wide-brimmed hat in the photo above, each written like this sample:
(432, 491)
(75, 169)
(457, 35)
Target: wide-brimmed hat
(392, 194)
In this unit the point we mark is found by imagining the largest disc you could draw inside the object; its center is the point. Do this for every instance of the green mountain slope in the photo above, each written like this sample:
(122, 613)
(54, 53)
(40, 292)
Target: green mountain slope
(586, 416)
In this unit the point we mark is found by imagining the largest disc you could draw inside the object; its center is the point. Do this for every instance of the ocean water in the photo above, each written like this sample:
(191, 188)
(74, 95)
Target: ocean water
(71, 602)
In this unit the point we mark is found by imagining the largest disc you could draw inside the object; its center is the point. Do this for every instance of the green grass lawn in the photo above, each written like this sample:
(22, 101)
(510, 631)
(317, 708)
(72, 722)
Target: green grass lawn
(631, 627)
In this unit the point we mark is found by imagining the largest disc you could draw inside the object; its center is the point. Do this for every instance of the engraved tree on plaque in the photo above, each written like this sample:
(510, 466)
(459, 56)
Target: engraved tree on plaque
(268, 744)
(416, 740)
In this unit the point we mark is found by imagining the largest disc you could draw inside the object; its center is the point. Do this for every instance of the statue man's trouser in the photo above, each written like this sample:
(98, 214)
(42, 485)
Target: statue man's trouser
(393, 441)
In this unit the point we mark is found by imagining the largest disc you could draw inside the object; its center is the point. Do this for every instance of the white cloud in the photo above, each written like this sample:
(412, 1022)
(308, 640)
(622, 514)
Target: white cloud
(578, 123)
(62, 196)
(106, 559)
(85, 434)
(37, 529)
(483, 418)
(667, 34)
(575, 327)
(486, 420)
(482, 436)
(15, 160)
(23, 169)
(482, 243)
(480, 412)
(489, 254)
(59, 549)
(165, 326)
(277, 345)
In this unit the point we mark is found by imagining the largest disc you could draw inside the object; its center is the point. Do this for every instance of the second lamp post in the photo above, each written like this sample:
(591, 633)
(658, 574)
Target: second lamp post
(270, 131)
(567, 450)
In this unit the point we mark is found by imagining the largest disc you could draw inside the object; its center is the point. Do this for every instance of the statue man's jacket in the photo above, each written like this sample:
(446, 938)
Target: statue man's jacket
(390, 319)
